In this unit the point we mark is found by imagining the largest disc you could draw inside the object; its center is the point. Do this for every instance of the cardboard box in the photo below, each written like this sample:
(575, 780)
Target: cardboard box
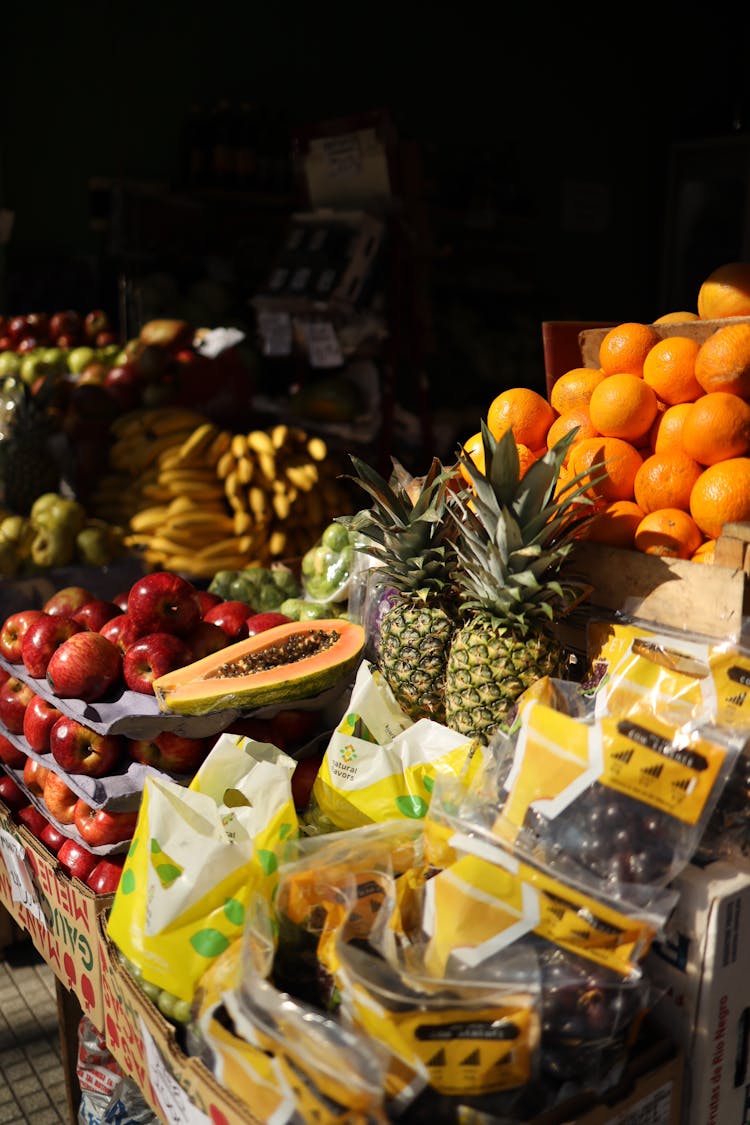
(59, 914)
(701, 967)
(145, 1045)
(650, 1093)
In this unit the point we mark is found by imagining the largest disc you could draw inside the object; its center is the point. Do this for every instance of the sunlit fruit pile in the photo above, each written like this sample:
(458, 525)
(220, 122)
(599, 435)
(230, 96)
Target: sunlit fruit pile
(662, 427)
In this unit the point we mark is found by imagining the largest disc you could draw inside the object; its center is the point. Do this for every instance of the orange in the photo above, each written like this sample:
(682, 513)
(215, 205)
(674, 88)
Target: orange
(574, 388)
(525, 411)
(613, 460)
(666, 431)
(725, 292)
(717, 427)
(676, 318)
(669, 532)
(705, 553)
(723, 360)
(474, 449)
(665, 480)
(615, 524)
(721, 495)
(623, 406)
(570, 419)
(625, 347)
(527, 456)
(669, 369)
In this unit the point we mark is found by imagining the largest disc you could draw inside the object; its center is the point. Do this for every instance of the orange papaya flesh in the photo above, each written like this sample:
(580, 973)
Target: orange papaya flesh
(296, 660)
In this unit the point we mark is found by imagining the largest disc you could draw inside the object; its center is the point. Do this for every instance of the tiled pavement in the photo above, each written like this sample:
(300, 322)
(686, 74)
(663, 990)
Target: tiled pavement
(32, 1079)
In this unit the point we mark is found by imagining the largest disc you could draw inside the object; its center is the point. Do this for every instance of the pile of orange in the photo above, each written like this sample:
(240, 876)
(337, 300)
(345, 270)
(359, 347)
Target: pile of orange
(662, 426)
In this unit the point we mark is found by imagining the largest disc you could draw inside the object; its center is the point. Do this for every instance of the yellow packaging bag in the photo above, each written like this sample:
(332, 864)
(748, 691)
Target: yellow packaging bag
(379, 765)
(197, 858)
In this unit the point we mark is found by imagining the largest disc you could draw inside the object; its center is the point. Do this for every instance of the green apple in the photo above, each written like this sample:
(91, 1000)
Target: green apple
(58, 513)
(93, 546)
(56, 359)
(18, 530)
(81, 357)
(52, 547)
(32, 366)
(10, 363)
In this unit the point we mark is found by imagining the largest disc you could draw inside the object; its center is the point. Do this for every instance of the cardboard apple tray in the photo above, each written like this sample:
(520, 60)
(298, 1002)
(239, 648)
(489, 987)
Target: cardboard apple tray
(59, 914)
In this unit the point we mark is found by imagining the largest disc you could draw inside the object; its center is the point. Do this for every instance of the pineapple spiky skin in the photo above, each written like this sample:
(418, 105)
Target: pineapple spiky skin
(488, 670)
(406, 531)
(514, 535)
(415, 636)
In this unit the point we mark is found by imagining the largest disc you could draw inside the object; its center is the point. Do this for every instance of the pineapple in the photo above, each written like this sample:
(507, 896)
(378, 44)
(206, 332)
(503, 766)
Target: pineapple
(407, 532)
(513, 538)
(28, 466)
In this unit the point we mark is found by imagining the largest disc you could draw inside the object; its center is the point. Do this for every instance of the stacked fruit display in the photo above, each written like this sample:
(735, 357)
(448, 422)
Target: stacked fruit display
(79, 720)
(667, 414)
(199, 499)
(56, 532)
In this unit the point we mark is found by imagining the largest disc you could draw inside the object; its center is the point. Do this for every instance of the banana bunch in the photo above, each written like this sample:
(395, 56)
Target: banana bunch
(281, 486)
(140, 438)
(187, 525)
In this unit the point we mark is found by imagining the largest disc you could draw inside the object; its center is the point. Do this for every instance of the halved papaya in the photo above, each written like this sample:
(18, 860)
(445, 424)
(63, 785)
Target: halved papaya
(297, 660)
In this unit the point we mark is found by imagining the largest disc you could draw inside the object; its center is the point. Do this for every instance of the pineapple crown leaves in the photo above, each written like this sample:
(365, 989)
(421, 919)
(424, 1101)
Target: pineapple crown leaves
(516, 533)
(406, 527)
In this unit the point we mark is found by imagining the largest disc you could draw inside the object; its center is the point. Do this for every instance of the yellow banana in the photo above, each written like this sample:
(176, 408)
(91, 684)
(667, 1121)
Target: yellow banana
(245, 469)
(260, 442)
(226, 464)
(235, 544)
(317, 448)
(149, 518)
(239, 446)
(221, 443)
(172, 419)
(195, 446)
(242, 522)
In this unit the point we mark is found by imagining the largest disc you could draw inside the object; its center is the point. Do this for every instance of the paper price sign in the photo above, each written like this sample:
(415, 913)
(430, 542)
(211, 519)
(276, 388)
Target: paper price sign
(174, 1101)
(322, 344)
(21, 880)
(276, 332)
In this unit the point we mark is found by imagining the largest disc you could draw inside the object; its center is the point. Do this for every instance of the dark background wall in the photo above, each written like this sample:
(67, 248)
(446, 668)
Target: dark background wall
(580, 107)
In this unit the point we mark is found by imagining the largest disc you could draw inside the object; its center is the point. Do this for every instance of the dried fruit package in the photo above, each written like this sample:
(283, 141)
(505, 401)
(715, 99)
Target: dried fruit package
(617, 802)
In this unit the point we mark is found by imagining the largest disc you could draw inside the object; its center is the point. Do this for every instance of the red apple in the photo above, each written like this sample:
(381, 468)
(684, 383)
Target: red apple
(206, 638)
(103, 826)
(17, 329)
(11, 794)
(28, 344)
(43, 637)
(123, 382)
(206, 599)
(259, 622)
(76, 860)
(303, 779)
(38, 721)
(52, 837)
(66, 322)
(105, 339)
(105, 877)
(59, 798)
(15, 697)
(95, 322)
(34, 776)
(33, 819)
(169, 751)
(152, 656)
(121, 630)
(10, 754)
(231, 616)
(78, 749)
(96, 613)
(121, 599)
(87, 666)
(4, 675)
(38, 324)
(294, 726)
(13, 631)
(67, 600)
(67, 340)
(163, 602)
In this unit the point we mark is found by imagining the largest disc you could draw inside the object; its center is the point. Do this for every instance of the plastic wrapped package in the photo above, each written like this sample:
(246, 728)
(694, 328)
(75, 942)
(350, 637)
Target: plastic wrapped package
(615, 802)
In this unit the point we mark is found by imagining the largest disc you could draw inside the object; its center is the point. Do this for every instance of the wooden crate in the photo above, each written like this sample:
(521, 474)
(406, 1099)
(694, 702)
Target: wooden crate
(694, 598)
(590, 338)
